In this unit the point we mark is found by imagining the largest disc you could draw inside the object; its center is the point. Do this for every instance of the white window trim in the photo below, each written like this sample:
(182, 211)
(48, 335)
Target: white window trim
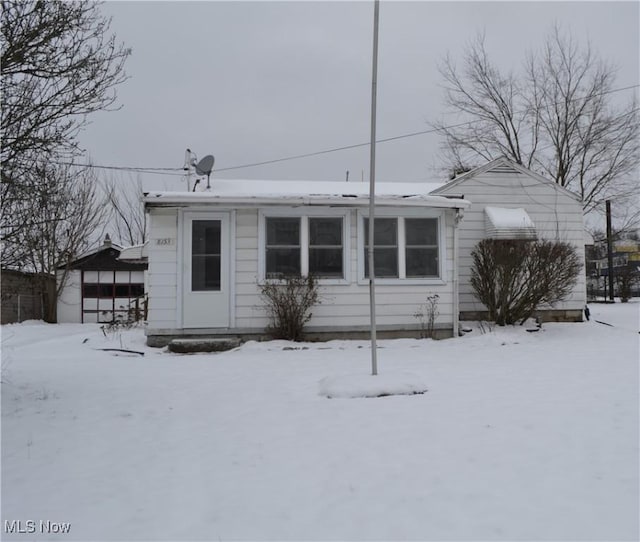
(305, 213)
(401, 214)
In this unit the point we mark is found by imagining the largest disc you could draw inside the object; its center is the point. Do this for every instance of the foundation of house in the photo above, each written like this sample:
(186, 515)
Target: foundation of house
(209, 337)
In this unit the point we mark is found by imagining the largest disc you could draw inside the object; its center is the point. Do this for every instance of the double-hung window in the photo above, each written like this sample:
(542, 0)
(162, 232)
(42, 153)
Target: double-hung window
(302, 245)
(404, 247)
(385, 247)
(283, 246)
(421, 247)
(326, 253)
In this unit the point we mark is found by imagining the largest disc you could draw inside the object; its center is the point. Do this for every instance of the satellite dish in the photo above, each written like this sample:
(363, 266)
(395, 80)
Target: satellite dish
(204, 166)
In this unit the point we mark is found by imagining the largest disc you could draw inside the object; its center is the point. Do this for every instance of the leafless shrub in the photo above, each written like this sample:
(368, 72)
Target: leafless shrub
(288, 302)
(427, 314)
(513, 278)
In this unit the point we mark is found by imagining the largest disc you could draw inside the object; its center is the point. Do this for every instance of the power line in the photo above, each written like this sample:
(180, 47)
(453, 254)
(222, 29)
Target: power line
(394, 138)
(161, 171)
(132, 169)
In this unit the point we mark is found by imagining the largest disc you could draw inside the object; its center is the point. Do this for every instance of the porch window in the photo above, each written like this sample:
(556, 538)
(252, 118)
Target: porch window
(403, 248)
(301, 245)
(421, 247)
(325, 247)
(283, 246)
(385, 247)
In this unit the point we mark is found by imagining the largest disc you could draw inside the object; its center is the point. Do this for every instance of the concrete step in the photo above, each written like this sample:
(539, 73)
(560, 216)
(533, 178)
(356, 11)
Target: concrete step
(190, 346)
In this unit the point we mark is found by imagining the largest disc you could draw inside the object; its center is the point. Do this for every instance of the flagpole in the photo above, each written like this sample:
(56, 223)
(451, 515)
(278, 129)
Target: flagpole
(372, 191)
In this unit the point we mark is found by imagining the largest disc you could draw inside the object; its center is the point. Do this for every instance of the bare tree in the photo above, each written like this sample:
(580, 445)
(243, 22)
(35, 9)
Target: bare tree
(61, 221)
(499, 119)
(557, 117)
(59, 64)
(127, 211)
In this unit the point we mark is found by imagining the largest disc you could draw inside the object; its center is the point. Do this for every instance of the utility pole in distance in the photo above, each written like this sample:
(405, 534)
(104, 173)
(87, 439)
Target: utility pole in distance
(609, 251)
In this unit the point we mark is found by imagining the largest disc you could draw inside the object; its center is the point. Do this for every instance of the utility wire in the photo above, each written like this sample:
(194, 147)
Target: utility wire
(132, 169)
(394, 138)
(160, 171)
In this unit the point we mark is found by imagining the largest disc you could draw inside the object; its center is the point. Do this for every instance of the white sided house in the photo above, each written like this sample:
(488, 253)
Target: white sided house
(508, 201)
(210, 251)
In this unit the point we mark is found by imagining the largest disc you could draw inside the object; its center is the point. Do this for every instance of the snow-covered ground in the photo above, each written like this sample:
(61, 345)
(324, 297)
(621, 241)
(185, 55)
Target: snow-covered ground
(519, 436)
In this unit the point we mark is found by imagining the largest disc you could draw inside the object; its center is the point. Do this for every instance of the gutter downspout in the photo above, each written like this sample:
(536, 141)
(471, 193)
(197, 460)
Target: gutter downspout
(456, 293)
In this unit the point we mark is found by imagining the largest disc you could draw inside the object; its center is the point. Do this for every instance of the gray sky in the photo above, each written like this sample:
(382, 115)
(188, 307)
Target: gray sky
(255, 81)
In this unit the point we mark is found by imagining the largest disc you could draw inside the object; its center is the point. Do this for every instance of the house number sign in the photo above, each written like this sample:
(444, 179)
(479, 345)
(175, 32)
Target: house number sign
(165, 241)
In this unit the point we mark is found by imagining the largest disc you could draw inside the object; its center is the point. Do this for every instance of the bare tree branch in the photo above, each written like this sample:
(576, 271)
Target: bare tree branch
(557, 117)
(60, 221)
(59, 64)
(127, 211)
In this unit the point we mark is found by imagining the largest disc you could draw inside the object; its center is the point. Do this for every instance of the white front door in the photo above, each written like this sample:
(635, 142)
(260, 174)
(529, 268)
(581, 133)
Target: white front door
(205, 271)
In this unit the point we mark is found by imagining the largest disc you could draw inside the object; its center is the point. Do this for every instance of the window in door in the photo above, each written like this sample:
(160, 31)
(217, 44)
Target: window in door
(205, 255)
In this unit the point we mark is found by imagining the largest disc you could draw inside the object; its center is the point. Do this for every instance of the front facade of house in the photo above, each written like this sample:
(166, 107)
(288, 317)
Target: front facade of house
(509, 201)
(209, 252)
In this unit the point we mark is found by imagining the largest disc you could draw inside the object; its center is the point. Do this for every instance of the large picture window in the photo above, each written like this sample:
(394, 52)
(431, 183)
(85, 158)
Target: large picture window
(296, 245)
(403, 248)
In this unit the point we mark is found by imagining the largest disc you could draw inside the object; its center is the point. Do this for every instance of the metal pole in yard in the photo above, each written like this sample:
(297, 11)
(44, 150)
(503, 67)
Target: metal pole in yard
(372, 191)
(609, 250)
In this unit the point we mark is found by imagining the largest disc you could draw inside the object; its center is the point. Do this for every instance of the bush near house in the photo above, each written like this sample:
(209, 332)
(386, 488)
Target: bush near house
(288, 303)
(512, 278)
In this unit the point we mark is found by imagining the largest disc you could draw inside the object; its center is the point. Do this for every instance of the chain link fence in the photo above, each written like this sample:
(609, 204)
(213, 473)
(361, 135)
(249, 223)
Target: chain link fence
(21, 307)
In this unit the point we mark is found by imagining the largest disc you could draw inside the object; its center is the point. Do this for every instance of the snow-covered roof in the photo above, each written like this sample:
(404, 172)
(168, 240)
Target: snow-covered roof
(243, 192)
(505, 223)
(503, 165)
(106, 244)
(134, 253)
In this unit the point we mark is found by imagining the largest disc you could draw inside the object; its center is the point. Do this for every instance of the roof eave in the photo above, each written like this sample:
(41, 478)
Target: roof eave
(167, 200)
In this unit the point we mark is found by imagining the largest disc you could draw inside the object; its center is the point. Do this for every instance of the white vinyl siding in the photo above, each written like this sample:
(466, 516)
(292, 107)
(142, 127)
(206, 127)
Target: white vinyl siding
(163, 269)
(344, 302)
(69, 309)
(556, 215)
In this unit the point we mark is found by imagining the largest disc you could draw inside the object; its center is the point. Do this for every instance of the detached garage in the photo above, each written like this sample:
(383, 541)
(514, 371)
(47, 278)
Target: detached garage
(100, 287)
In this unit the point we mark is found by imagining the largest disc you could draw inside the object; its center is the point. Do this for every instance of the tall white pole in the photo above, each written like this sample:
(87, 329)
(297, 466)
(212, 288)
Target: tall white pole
(372, 191)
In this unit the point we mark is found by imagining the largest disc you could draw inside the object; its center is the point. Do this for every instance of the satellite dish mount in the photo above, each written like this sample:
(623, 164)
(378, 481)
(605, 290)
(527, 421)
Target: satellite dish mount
(202, 167)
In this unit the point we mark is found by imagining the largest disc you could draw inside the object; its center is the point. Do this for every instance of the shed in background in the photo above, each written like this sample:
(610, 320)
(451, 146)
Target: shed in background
(101, 288)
